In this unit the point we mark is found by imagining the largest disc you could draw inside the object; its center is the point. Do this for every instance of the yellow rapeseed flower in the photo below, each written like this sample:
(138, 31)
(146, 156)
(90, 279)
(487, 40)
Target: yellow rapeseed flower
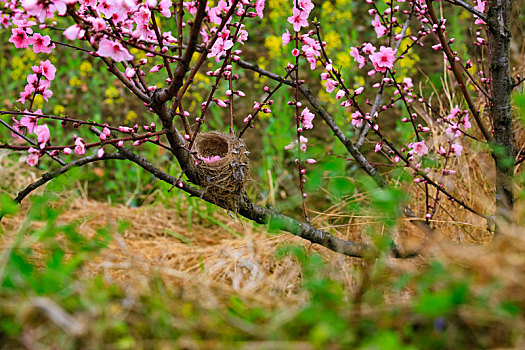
(75, 81)
(85, 68)
(333, 42)
(111, 92)
(59, 110)
(273, 44)
(131, 116)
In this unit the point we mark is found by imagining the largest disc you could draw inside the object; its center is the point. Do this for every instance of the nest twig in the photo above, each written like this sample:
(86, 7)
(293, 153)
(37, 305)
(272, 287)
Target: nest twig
(222, 166)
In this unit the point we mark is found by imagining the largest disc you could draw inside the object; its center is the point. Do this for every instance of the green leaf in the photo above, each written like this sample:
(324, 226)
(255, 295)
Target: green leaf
(435, 304)
(7, 205)
(178, 236)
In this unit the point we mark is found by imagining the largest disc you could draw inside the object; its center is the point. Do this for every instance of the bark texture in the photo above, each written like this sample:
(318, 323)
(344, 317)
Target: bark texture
(499, 25)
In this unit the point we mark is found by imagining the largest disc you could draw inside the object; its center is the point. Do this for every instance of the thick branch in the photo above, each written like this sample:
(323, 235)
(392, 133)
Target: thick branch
(183, 65)
(267, 216)
(246, 208)
(501, 110)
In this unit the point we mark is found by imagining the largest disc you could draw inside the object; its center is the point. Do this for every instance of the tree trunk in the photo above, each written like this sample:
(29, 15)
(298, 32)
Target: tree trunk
(501, 114)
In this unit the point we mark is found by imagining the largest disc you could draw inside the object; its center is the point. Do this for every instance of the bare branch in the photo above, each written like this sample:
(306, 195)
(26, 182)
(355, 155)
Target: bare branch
(468, 8)
(53, 174)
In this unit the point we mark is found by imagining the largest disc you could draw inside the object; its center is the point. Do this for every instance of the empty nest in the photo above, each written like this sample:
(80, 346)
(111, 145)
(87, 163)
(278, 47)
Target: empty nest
(222, 166)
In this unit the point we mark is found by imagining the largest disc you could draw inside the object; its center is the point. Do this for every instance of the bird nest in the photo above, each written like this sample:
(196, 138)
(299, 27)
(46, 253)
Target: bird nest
(222, 166)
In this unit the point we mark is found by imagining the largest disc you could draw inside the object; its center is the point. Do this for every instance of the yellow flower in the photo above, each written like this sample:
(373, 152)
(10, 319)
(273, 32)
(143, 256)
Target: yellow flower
(333, 42)
(75, 81)
(111, 92)
(131, 116)
(273, 44)
(359, 80)
(59, 110)
(328, 9)
(85, 68)
(278, 9)
(343, 59)
(39, 102)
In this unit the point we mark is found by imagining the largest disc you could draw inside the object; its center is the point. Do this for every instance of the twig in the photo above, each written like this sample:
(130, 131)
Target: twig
(57, 159)
(469, 9)
(53, 174)
(379, 94)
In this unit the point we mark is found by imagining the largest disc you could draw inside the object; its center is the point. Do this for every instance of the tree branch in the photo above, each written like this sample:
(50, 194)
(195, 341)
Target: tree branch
(363, 163)
(468, 8)
(53, 174)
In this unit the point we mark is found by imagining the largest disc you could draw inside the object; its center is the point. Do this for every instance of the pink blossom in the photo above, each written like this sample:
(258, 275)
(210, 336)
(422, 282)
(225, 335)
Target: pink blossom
(80, 148)
(4, 20)
(29, 122)
(48, 70)
(418, 148)
(354, 52)
(369, 48)
(378, 147)
(306, 118)
(74, 32)
(32, 159)
(130, 72)
(156, 68)
(19, 38)
(357, 119)
(359, 90)
(298, 19)
(259, 8)
(67, 151)
(454, 112)
(219, 48)
(466, 122)
(100, 152)
(221, 103)
(42, 133)
(210, 159)
(306, 5)
(164, 8)
(378, 27)
(480, 6)
(408, 83)
(114, 50)
(311, 161)
(98, 24)
(142, 16)
(330, 85)
(340, 94)
(41, 43)
(453, 130)
(290, 146)
(191, 7)
(46, 94)
(383, 59)
(457, 149)
(18, 127)
(303, 140)
(286, 37)
(24, 95)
